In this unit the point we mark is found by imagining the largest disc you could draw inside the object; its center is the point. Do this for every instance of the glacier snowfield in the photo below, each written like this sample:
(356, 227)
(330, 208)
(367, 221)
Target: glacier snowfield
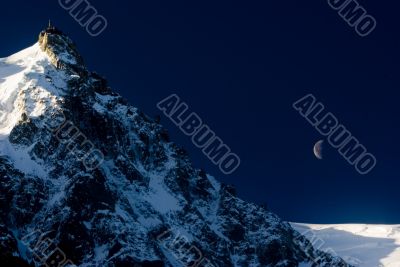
(361, 245)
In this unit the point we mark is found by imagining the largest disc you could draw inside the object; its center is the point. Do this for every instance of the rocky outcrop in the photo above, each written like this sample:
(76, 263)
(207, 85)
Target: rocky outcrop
(61, 50)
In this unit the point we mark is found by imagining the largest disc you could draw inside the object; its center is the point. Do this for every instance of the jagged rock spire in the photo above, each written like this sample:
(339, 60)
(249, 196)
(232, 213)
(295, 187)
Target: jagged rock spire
(61, 50)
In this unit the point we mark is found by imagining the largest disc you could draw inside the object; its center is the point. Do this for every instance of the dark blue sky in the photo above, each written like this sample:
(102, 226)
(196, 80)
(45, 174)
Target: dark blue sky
(240, 65)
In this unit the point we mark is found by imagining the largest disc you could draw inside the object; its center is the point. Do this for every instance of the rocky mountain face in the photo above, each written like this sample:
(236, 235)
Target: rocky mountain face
(88, 180)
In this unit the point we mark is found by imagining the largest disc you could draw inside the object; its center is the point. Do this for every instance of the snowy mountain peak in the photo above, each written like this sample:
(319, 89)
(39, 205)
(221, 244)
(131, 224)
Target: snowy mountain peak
(142, 204)
(38, 78)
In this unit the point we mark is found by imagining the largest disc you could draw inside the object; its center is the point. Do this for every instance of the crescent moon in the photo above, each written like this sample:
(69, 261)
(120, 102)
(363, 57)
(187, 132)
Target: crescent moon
(318, 149)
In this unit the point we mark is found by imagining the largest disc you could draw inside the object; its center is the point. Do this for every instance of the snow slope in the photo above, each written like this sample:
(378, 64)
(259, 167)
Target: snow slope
(14, 74)
(359, 244)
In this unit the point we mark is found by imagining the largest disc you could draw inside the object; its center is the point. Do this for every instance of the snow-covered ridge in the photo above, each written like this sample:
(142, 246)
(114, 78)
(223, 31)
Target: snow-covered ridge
(363, 245)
